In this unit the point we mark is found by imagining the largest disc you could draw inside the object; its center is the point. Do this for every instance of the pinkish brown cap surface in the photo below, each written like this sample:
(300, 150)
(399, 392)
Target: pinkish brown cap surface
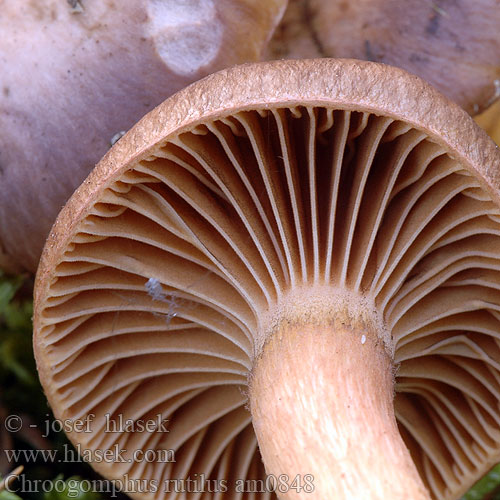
(453, 45)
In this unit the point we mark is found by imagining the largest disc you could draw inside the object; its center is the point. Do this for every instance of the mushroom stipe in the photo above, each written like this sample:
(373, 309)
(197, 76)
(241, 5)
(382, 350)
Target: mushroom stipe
(330, 232)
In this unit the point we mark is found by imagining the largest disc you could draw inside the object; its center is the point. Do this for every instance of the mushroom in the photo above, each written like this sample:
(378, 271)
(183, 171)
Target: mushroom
(76, 73)
(453, 45)
(315, 239)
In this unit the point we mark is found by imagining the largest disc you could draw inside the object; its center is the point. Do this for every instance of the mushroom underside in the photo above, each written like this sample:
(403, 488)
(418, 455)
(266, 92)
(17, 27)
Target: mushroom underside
(155, 306)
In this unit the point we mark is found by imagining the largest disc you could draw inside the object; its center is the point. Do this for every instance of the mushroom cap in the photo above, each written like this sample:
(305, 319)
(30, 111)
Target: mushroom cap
(453, 45)
(74, 77)
(257, 181)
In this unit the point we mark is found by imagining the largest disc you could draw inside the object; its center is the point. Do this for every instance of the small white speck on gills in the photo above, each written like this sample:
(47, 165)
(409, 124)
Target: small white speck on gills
(154, 289)
(363, 339)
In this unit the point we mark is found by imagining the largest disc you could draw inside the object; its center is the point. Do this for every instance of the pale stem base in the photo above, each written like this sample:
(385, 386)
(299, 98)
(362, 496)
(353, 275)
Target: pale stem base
(322, 404)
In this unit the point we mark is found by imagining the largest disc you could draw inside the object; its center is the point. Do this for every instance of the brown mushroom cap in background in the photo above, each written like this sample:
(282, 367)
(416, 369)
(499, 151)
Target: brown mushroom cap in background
(454, 45)
(490, 121)
(74, 74)
(157, 277)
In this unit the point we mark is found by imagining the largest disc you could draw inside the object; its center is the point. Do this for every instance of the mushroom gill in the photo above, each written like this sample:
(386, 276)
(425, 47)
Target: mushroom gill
(156, 278)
